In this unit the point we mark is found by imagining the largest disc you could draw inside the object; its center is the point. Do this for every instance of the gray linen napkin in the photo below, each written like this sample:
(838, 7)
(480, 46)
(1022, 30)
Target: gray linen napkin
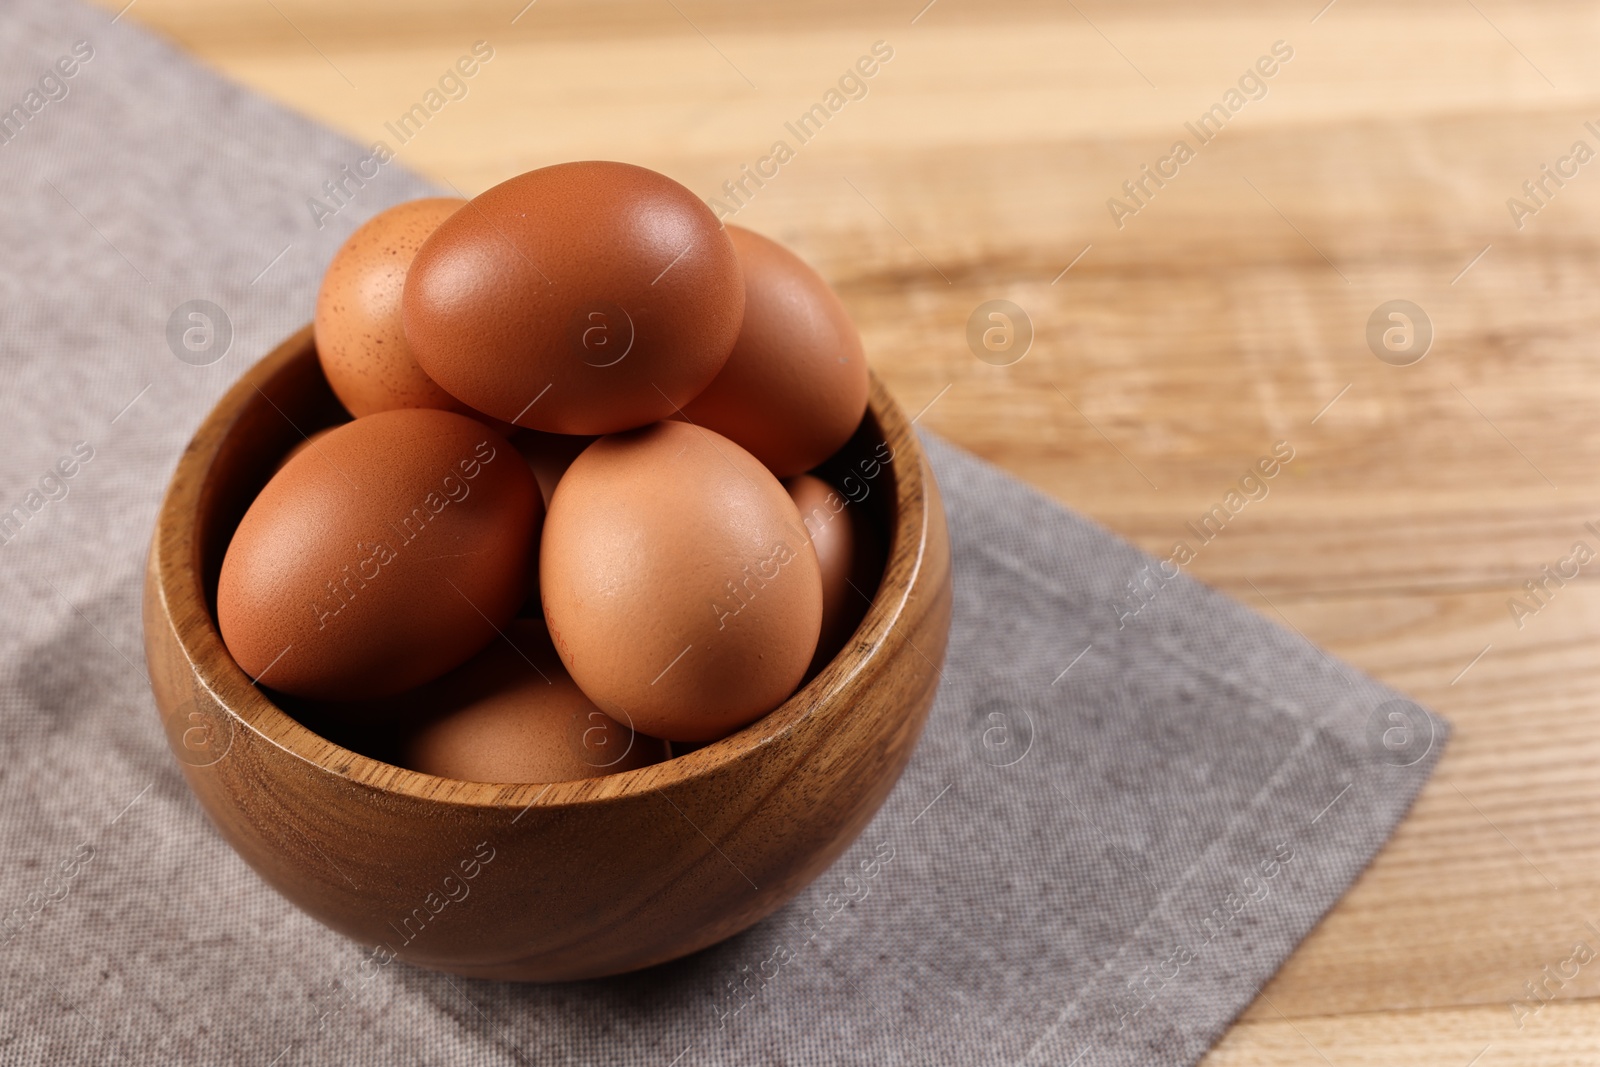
(1113, 832)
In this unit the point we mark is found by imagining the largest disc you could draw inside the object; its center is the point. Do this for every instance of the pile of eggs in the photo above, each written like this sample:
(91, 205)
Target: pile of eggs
(571, 521)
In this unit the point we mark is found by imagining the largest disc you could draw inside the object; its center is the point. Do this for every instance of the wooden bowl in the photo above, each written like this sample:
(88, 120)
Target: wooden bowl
(536, 882)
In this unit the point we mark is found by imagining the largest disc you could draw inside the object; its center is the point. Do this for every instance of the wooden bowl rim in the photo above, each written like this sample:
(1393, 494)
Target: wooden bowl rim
(179, 581)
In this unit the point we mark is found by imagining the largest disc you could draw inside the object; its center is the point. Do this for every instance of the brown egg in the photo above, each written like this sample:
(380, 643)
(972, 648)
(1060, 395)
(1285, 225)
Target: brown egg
(549, 455)
(582, 298)
(795, 387)
(513, 714)
(381, 558)
(677, 583)
(849, 555)
(359, 340)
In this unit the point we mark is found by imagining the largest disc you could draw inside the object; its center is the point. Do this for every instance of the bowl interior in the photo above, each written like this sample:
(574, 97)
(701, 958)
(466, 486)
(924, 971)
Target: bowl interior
(285, 398)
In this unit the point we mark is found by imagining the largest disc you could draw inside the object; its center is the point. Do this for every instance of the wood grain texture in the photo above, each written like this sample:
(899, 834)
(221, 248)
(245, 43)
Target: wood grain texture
(1224, 316)
(536, 882)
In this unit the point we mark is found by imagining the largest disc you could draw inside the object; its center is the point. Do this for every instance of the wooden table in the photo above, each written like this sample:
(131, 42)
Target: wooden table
(1228, 312)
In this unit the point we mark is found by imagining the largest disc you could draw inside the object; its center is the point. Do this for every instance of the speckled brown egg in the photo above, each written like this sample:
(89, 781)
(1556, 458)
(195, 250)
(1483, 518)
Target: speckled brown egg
(677, 582)
(849, 554)
(513, 714)
(381, 558)
(795, 387)
(359, 339)
(582, 298)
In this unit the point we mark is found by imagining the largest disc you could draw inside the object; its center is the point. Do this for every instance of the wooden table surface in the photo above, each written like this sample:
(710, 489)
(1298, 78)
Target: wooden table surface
(1226, 313)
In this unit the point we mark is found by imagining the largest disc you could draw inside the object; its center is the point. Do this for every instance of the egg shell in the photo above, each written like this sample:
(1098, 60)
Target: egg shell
(582, 298)
(513, 714)
(360, 342)
(677, 582)
(795, 386)
(849, 553)
(381, 558)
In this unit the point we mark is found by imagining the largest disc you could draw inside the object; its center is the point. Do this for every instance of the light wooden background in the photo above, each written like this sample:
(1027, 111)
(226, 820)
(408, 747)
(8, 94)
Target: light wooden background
(1223, 317)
